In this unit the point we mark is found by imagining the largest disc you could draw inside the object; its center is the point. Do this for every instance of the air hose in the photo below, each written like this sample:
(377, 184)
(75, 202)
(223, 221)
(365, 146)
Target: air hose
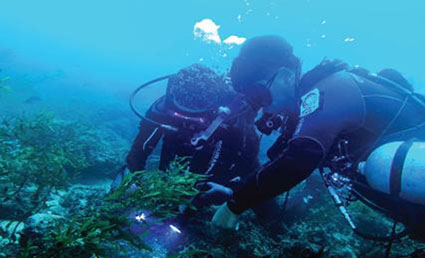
(343, 210)
(395, 86)
(134, 109)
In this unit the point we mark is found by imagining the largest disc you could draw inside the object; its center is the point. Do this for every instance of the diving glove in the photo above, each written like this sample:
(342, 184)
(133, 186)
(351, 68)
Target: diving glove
(120, 178)
(212, 194)
(225, 218)
(124, 171)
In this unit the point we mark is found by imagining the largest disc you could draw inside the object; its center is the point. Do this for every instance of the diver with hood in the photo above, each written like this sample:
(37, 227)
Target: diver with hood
(331, 117)
(200, 117)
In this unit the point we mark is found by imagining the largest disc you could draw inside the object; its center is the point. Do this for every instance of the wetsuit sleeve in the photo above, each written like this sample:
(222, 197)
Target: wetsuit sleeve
(296, 163)
(310, 144)
(146, 140)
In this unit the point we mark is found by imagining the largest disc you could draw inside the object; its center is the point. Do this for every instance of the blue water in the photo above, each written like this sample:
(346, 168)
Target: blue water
(115, 45)
(86, 56)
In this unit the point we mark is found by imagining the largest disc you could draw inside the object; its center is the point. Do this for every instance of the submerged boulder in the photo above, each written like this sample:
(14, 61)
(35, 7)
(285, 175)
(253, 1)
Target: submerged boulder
(41, 222)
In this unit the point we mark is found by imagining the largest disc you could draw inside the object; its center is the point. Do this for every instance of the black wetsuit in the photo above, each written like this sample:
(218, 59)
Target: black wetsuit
(232, 151)
(340, 105)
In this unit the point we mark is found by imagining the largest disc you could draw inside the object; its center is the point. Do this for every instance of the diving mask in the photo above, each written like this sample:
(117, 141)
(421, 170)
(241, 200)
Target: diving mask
(281, 88)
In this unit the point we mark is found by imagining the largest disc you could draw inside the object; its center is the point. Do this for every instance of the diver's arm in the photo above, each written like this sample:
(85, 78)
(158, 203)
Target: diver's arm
(297, 162)
(146, 140)
(340, 109)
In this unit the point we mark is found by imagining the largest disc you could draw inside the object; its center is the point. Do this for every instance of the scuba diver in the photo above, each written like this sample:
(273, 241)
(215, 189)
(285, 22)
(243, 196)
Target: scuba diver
(202, 118)
(199, 102)
(345, 122)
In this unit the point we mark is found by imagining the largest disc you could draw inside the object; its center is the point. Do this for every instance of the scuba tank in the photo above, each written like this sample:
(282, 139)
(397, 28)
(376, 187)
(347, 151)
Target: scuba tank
(397, 169)
(391, 178)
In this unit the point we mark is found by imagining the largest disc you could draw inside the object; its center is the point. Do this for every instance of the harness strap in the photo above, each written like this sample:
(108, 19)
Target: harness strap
(384, 131)
(397, 167)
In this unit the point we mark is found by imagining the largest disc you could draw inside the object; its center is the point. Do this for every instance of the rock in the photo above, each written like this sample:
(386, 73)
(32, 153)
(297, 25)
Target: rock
(79, 196)
(8, 230)
(304, 249)
(54, 205)
(40, 222)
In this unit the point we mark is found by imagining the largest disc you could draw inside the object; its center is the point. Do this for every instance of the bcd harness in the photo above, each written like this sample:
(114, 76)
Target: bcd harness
(341, 179)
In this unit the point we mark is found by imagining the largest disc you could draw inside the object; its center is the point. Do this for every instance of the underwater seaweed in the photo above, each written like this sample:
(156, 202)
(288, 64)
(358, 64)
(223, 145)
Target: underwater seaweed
(98, 228)
(40, 155)
(34, 160)
(320, 231)
(160, 192)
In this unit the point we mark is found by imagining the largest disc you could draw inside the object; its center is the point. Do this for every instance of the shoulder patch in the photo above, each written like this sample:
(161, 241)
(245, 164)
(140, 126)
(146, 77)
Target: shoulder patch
(310, 102)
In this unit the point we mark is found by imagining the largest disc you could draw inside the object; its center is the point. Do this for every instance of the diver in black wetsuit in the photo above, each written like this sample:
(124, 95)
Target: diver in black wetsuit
(329, 105)
(193, 99)
(194, 96)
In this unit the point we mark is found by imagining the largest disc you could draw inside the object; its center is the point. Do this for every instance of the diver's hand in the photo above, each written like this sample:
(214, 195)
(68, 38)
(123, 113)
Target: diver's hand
(225, 218)
(213, 194)
(119, 178)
